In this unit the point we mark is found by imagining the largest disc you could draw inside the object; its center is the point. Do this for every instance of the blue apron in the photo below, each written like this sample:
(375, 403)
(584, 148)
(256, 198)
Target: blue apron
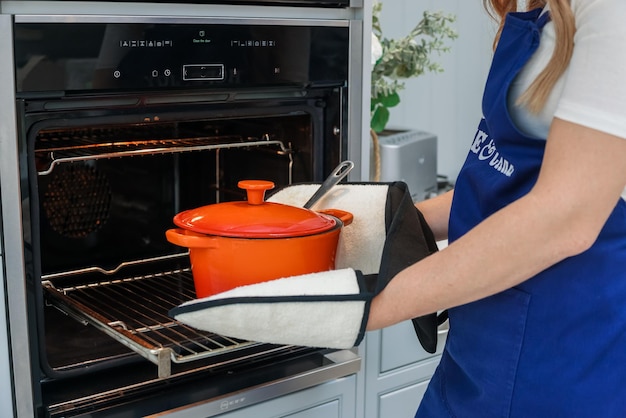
(555, 345)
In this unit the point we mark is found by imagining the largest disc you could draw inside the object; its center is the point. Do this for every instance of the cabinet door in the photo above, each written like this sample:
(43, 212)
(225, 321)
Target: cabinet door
(397, 371)
(400, 347)
(329, 409)
(402, 402)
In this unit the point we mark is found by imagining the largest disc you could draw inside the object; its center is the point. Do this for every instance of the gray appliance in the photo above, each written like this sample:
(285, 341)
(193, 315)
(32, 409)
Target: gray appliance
(410, 156)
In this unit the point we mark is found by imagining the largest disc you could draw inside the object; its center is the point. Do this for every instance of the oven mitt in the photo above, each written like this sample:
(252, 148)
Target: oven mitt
(328, 309)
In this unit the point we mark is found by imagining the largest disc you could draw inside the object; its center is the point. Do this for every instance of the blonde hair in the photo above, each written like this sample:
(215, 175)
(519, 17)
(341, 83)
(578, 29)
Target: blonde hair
(563, 17)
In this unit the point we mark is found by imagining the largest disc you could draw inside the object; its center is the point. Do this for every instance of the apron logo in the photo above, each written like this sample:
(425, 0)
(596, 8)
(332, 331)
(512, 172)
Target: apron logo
(486, 151)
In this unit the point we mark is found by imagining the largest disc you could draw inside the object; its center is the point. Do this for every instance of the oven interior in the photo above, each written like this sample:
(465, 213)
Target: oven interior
(102, 192)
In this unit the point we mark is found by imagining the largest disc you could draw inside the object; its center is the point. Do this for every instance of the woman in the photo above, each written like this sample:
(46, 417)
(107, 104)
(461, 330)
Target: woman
(535, 273)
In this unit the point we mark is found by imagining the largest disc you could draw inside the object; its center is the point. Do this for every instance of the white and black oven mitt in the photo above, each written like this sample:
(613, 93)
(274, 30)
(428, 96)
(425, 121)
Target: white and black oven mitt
(328, 309)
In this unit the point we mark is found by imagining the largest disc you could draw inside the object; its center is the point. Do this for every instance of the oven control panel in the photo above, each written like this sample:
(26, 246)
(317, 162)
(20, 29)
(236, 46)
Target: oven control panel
(74, 57)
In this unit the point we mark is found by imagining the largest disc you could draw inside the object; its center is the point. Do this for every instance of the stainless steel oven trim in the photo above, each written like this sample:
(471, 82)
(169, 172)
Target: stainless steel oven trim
(183, 20)
(343, 363)
(48, 7)
(5, 379)
(14, 285)
(340, 364)
(358, 123)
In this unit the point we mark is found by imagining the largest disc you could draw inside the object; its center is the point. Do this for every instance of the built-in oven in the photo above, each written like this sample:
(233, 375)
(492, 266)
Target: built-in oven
(122, 122)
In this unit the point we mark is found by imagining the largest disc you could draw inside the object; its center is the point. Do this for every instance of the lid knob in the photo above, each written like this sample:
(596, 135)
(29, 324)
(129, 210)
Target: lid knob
(255, 189)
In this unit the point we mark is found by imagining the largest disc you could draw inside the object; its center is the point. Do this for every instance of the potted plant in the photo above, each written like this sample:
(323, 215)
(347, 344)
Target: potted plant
(395, 60)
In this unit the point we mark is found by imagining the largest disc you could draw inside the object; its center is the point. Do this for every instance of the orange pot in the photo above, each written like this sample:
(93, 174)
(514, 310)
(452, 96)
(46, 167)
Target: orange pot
(234, 244)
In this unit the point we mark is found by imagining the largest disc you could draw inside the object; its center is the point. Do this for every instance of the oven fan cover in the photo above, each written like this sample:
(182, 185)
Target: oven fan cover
(77, 200)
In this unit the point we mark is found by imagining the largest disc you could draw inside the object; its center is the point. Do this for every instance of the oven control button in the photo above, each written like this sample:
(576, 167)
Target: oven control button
(202, 72)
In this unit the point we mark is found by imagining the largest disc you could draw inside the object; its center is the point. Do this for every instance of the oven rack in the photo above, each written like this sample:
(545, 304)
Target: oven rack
(87, 148)
(134, 311)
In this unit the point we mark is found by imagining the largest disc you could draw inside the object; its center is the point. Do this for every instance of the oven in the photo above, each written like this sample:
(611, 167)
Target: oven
(122, 121)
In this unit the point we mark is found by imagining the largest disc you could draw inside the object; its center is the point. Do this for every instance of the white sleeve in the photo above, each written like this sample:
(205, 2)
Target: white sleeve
(594, 91)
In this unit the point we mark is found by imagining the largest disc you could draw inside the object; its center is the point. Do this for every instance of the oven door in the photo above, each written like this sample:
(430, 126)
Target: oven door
(206, 393)
(108, 279)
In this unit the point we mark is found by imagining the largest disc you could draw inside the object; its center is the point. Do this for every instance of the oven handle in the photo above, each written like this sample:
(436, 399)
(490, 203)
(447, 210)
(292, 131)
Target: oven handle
(341, 363)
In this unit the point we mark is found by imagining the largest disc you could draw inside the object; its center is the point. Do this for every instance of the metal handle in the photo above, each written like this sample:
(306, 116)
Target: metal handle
(335, 177)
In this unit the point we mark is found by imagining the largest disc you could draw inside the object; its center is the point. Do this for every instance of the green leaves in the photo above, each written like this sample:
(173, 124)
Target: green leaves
(405, 58)
(380, 110)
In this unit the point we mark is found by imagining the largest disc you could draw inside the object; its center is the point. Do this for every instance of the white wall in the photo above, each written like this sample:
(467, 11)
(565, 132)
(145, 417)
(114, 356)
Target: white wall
(448, 103)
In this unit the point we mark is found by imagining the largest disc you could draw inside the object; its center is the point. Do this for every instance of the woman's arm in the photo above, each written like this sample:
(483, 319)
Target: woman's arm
(581, 180)
(436, 211)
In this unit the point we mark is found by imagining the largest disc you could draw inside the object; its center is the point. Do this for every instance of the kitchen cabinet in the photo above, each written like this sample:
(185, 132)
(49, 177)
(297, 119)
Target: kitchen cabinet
(397, 371)
(334, 399)
(394, 376)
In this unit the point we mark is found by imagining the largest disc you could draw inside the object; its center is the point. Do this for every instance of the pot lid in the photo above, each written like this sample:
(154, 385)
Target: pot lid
(254, 218)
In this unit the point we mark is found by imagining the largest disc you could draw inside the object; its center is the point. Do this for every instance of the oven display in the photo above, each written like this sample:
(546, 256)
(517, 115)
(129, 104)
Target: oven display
(79, 57)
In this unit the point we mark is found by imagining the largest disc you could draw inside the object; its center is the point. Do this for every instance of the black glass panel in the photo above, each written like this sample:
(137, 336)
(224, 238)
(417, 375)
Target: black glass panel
(78, 57)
